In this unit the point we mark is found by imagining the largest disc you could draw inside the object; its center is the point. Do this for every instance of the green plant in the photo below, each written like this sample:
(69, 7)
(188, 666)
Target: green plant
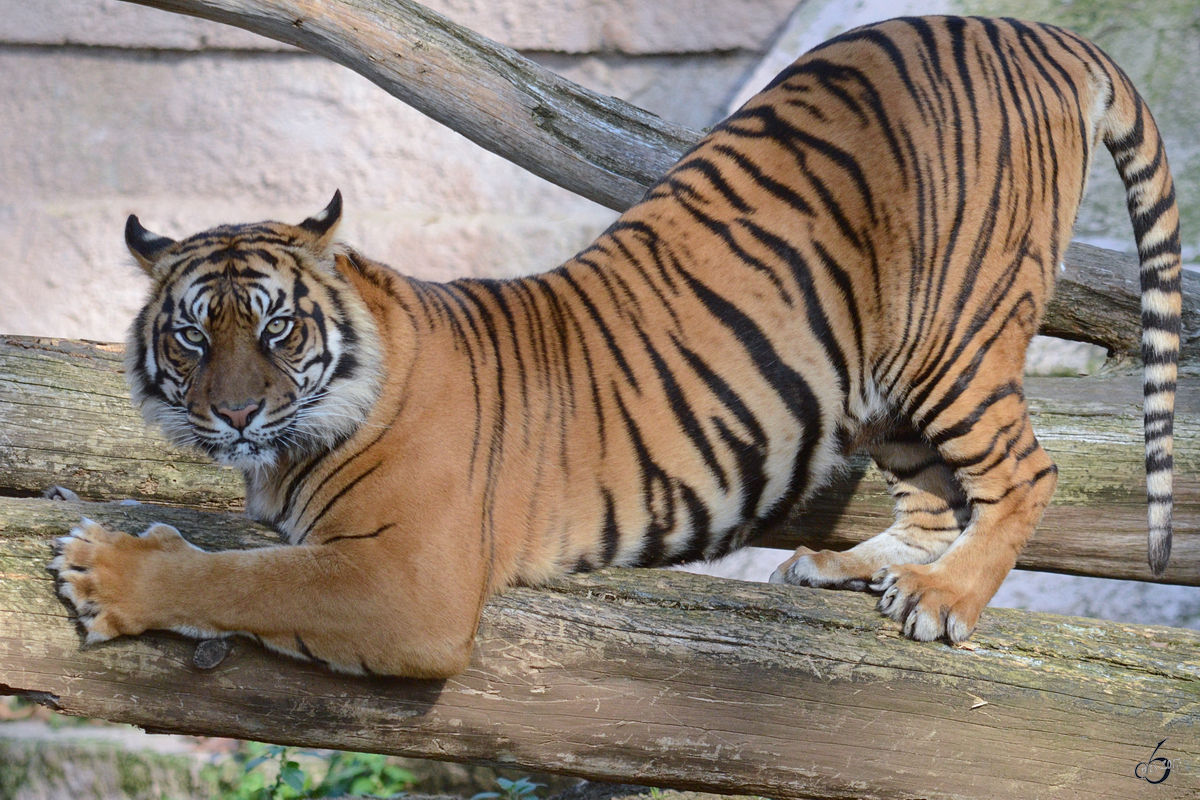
(274, 772)
(520, 789)
(364, 774)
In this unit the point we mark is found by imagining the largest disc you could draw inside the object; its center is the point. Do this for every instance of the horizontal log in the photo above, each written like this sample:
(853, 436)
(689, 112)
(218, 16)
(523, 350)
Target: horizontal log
(67, 420)
(1097, 299)
(660, 678)
(1096, 523)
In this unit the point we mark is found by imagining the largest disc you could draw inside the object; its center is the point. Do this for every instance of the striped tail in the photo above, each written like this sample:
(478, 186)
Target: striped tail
(1132, 137)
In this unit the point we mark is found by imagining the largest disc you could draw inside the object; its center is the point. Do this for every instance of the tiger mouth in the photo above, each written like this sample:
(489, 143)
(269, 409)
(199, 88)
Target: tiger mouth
(243, 452)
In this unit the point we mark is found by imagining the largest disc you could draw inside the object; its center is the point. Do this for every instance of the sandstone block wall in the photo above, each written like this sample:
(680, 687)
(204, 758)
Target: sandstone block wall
(112, 109)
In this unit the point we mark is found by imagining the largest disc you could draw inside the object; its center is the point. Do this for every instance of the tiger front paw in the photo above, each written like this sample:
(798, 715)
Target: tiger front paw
(101, 572)
(60, 493)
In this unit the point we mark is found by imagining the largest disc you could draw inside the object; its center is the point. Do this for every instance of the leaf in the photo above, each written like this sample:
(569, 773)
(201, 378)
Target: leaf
(254, 762)
(291, 774)
(367, 784)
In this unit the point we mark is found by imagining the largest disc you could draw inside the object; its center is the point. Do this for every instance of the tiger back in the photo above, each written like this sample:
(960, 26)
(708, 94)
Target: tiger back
(855, 260)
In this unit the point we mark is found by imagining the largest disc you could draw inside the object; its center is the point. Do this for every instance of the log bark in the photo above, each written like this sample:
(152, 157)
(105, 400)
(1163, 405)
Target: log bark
(659, 678)
(66, 419)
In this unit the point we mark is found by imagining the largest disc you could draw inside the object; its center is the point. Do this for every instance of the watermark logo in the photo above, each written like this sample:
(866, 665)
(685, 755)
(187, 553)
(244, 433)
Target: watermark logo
(1155, 770)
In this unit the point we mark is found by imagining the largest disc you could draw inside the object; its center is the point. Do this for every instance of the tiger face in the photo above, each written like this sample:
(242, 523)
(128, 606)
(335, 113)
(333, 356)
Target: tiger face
(252, 345)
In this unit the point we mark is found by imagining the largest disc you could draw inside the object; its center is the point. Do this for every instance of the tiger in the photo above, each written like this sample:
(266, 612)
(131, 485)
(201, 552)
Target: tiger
(855, 260)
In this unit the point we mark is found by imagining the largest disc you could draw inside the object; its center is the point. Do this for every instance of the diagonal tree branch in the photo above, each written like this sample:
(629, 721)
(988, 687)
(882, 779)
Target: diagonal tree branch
(602, 148)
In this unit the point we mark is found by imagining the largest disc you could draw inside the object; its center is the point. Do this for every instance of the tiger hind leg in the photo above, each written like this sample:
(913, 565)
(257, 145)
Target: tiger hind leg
(1008, 480)
(931, 512)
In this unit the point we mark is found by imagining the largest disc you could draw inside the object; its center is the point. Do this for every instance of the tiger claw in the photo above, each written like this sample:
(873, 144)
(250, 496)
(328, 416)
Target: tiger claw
(926, 606)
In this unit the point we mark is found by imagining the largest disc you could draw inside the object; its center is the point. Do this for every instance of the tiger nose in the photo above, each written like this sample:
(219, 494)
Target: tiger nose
(237, 417)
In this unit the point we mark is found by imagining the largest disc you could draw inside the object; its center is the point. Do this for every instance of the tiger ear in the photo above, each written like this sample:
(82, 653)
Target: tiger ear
(145, 246)
(324, 225)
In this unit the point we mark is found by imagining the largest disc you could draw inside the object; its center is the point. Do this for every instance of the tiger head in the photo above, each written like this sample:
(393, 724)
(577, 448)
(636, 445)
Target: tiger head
(252, 344)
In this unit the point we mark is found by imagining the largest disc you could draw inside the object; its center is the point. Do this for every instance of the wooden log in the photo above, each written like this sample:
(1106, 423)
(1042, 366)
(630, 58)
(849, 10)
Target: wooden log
(1097, 299)
(659, 678)
(67, 420)
(1096, 523)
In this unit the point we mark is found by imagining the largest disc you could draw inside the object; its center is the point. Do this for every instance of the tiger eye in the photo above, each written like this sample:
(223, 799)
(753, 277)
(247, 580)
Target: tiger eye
(277, 326)
(194, 336)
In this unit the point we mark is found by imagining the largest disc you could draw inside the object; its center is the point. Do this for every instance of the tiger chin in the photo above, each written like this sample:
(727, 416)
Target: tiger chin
(854, 260)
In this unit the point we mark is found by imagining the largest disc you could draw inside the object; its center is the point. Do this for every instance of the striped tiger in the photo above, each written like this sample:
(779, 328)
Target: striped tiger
(854, 260)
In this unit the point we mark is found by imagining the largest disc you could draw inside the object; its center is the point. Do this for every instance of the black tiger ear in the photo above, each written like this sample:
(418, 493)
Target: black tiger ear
(145, 246)
(323, 225)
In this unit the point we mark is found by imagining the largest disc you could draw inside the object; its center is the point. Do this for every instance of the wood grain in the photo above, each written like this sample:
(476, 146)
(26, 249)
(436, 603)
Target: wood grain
(658, 678)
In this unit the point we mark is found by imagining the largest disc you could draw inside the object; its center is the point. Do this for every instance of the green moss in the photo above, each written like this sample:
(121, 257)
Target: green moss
(133, 775)
(1157, 43)
(14, 773)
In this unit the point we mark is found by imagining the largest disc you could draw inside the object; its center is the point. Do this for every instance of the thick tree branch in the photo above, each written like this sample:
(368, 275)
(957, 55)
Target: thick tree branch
(68, 420)
(596, 146)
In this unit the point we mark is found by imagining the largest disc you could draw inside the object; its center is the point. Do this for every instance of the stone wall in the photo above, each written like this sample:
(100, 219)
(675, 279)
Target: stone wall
(112, 109)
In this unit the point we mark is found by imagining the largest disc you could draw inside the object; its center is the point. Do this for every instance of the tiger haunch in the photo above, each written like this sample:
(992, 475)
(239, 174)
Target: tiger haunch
(855, 260)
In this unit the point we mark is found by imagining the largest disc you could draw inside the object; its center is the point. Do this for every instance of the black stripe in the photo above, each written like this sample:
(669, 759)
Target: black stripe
(788, 384)
(658, 492)
(370, 535)
(818, 322)
(710, 171)
(1167, 247)
(967, 423)
(610, 534)
(341, 493)
(1159, 462)
(601, 325)
(683, 413)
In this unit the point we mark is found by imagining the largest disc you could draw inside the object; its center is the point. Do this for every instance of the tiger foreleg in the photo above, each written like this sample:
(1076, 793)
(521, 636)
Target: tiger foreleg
(931, 511)
(339, 605)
